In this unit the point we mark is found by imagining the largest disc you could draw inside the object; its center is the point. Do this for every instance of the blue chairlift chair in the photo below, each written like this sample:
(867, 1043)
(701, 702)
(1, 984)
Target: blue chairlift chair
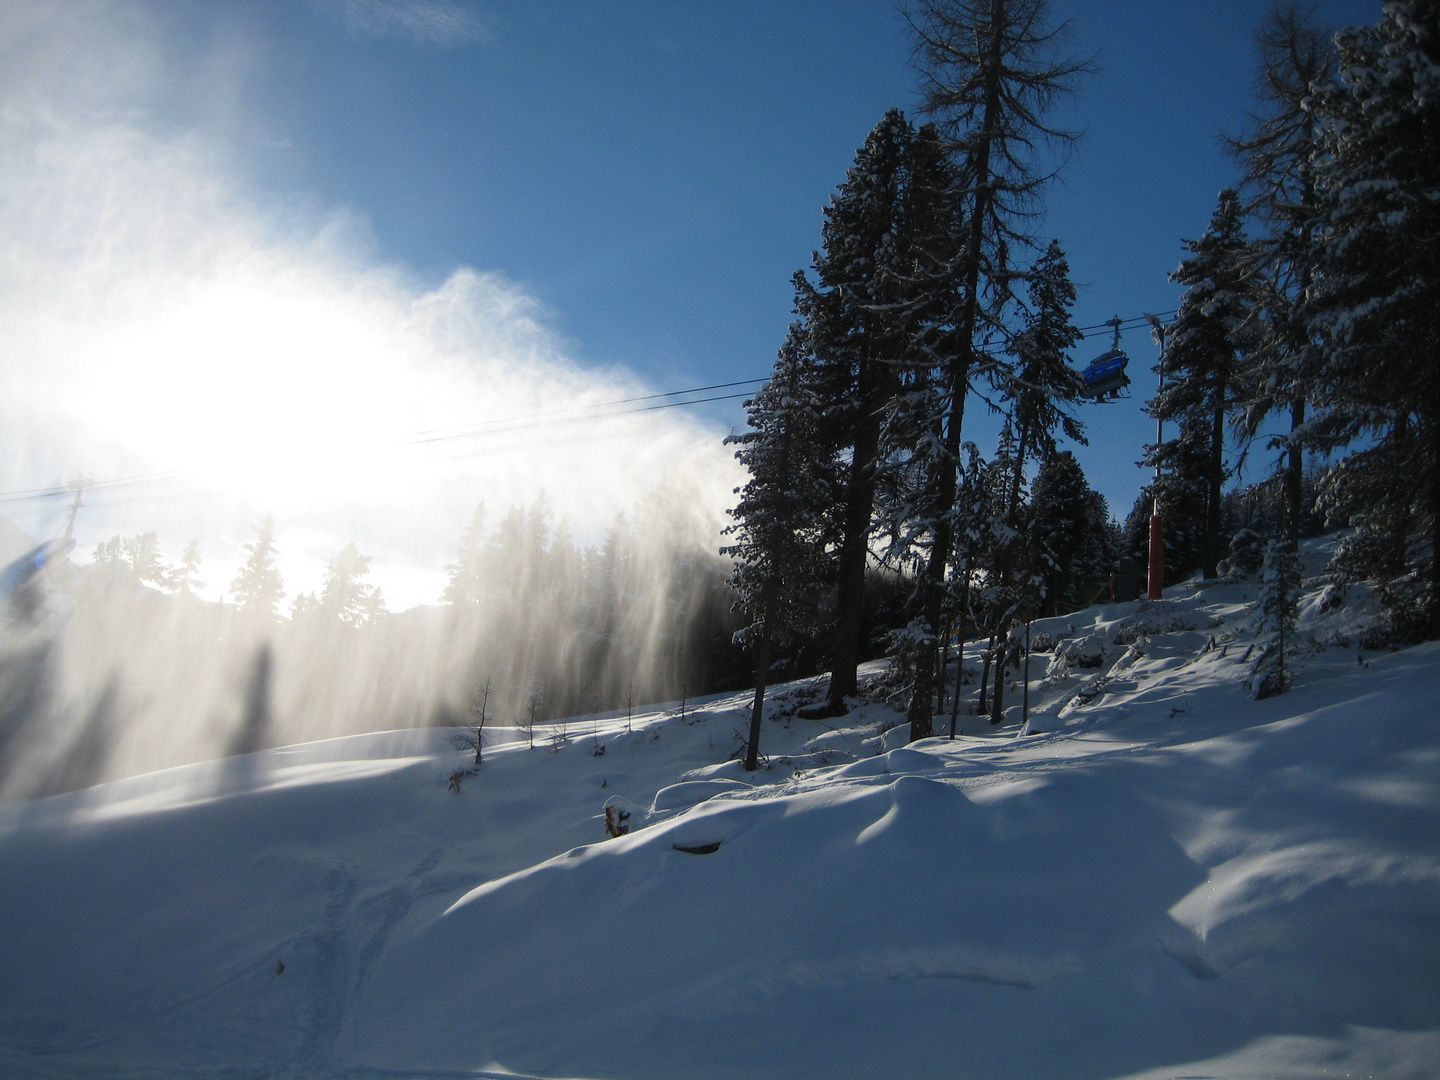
(1105, 376)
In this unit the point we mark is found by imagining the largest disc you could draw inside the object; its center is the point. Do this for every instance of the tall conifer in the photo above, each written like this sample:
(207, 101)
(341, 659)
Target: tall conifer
(1278, 153)
(1373, 315)
(257, 588)
(780, 521)
(856, 342)
(1200, 364)
(989, 76)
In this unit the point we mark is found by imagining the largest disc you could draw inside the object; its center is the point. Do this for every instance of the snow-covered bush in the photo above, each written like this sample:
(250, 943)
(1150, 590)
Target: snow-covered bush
(1247, 554)
(905, 646)
(1156, 620)
(1079, 652)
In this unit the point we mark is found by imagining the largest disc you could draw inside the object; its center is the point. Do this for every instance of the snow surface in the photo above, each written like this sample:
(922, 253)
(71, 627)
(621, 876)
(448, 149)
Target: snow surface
(1166, 879)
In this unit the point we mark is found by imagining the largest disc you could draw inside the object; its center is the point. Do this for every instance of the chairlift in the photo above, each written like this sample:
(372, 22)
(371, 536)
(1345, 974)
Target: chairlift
(1105, 377)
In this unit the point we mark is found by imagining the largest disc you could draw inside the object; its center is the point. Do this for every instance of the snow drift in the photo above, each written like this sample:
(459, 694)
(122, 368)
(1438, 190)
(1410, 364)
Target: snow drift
(1173, 879)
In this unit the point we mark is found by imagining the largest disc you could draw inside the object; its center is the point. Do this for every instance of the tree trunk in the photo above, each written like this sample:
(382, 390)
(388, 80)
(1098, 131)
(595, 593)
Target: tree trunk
(1211, 549)
(1294, 480)
(920, 716)
(1014, 495)
(1434, 500)
(985, 676)
(944, 667)
(997, 700)
(762, 673)
(854, 549)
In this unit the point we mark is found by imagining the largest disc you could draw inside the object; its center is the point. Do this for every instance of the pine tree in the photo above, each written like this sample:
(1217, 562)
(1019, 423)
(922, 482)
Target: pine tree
(182, 578)
(855, 343)
(974, 537)
(143, 552)
(466, 586)
(109, 552)
(988, 77)
(258, 588)
(1183, 493)
(1044, 383)
(1199, 365)
(780, 528)
(1005, 581)
(1278, 152)
(1275, 612)
(925, 270)
(343, 595)
(1061, 528)
(1373, 315)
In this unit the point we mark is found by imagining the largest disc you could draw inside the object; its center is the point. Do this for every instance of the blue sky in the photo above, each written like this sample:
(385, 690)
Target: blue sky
(638, 180)
(654, 172)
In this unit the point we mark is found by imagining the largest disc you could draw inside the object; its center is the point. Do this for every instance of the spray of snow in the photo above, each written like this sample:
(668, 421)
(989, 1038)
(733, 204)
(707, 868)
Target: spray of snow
(164, 319)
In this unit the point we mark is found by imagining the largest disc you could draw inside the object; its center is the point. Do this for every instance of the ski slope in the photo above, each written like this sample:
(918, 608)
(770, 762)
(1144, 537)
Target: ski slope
(1165, 879)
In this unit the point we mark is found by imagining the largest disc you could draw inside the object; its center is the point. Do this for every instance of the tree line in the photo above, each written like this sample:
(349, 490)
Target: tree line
(1310, 303)
(1310, 320)
(139, 672)
(917, 299)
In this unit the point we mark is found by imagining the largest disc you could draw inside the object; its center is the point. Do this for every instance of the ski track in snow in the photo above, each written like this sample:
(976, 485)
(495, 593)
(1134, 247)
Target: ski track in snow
(1166, 879)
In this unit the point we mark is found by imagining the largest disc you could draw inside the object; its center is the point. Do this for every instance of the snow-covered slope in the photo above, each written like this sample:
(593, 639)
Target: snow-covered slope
(1170, 879)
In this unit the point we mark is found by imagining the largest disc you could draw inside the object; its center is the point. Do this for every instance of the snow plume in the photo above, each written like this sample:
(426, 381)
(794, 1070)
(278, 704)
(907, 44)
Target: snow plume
(251, 355)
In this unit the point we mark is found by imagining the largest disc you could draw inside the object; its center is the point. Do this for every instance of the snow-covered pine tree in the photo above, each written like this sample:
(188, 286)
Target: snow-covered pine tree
(1060, 523)
(1277, 152)
(1004, 583)
(1275, 612)
(989, 76)
(999, 559)
(1374, 307)
(855, 344)
(1200, 362)
(1043, 382)
(110, 552)
(781, 519)
(258, 587)
(924, 272)
(917, 472)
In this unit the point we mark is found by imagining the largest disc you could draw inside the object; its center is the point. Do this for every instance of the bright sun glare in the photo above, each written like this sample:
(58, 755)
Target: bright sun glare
(163, 319)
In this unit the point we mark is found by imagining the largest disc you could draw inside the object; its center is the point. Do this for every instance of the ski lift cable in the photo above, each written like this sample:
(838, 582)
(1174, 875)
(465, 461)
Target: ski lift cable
(1132, 323)
(89, 485)
(467, 429)
(519, 423)
(545, 419)
(535, 420)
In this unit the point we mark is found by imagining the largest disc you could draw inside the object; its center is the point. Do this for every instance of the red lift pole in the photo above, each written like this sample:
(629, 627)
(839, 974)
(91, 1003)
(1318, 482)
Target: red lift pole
(1155, 574)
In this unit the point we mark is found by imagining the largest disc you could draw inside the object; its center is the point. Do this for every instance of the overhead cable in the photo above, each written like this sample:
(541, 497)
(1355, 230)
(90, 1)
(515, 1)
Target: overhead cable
(505, 425)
